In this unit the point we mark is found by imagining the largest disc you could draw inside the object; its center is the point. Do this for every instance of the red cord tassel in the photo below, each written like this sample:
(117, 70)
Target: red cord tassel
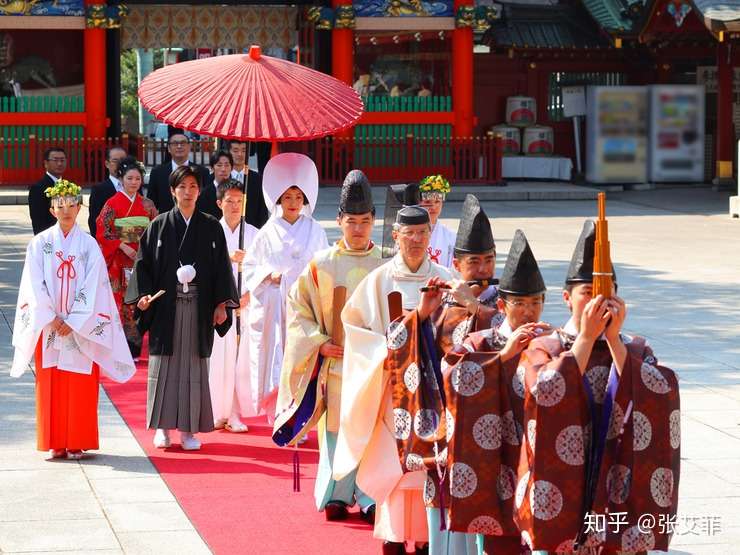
(296, 471)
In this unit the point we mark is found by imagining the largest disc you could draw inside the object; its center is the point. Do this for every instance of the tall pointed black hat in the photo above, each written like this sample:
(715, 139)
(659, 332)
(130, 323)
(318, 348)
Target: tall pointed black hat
(474, 235)
(581, 269)
(356, 196)
(401, 207)
(521, 273)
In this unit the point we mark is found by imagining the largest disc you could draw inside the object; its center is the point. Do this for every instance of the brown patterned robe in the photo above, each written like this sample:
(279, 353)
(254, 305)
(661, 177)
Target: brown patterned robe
(416, 380)
(563, 412)
(453, 323)
(486, 440)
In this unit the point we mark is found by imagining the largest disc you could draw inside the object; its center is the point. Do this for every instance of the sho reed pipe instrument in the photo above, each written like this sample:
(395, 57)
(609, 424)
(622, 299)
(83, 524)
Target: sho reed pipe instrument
(483, 283)
(603, 283)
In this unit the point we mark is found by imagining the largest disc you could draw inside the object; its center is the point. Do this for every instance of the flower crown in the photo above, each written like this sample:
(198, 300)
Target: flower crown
(434, 184)
(63, 188)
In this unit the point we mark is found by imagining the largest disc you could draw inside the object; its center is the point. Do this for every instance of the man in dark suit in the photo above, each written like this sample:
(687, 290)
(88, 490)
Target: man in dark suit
(101, 192)
(221, 164)
(257, 213)
(158, 189)
(55, 162)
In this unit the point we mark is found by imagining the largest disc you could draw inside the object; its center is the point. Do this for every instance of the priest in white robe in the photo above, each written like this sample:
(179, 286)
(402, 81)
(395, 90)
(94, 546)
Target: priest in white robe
(229, 377)
(441, 249)
(366, 439)
(66, 319)
(281, 250)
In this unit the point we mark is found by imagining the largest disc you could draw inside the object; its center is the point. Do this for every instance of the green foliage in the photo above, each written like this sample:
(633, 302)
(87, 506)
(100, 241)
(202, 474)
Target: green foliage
(129, 86)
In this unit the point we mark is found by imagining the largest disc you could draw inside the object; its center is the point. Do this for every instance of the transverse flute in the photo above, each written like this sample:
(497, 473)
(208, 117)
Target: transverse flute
(484, 283)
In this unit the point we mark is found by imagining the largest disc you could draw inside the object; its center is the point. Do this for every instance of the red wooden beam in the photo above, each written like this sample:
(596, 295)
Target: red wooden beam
(397, 118)
(43, 118)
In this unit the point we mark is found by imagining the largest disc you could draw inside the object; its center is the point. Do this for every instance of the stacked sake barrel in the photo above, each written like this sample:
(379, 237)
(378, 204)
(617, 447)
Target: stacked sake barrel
(521, 134)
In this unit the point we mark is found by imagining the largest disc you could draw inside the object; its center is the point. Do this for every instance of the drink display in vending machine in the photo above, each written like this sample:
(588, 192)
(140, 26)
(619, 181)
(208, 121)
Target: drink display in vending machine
(616, 135)
(676, 152)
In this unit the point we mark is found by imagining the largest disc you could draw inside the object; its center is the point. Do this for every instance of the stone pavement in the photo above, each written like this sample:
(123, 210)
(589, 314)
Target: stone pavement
(676, 253)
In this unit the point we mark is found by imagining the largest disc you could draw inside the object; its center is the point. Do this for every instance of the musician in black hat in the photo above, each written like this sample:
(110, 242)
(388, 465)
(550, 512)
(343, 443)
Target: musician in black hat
(590, 376)
(495, 352)
(468, 304)
(305, 400)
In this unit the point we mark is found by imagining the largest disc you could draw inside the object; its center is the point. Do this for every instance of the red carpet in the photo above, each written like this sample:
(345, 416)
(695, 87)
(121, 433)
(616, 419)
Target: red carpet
(238, 489)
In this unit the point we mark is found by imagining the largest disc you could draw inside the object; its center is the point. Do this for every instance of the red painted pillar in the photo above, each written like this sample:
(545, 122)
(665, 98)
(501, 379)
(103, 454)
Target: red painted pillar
(725, 133)
(94, 68)
(342, 54)
(342, 51)
(462, 76)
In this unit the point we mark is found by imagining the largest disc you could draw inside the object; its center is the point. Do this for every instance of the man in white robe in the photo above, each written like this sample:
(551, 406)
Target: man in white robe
(311, 383)
(67, 318)
(366, 439)
(228, 375)
(441, 249)
(282, 248)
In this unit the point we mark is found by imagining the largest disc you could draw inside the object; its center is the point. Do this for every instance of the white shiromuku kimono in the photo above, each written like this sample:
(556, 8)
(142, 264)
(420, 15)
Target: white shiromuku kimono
(67, 277)
(229, 376)
(441, 247)
(286, 249)
(366, 429)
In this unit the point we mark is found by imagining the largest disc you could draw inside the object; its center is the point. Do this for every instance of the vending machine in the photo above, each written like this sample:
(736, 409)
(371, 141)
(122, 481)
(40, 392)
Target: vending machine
(616, 134)
(676, 152)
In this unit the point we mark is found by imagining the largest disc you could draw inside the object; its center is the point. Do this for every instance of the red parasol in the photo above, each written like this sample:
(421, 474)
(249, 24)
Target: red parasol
(250, 97)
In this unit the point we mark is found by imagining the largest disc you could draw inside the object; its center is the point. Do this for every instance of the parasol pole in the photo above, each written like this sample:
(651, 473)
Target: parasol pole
(245, 182)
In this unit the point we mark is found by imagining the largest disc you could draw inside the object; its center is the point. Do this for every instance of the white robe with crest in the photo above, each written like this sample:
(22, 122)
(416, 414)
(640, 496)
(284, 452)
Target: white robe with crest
(286, 249)
(67, 277)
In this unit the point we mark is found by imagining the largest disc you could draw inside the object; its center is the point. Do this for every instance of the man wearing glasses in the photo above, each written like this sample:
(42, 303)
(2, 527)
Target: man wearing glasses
(370, 422)
(100, 193)
(55, 162)
(158, 190)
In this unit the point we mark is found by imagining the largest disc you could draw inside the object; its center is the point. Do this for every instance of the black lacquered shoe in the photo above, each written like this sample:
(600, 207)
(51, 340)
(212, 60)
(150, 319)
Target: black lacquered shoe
(336, 510)
(368, 515)
(394, 548)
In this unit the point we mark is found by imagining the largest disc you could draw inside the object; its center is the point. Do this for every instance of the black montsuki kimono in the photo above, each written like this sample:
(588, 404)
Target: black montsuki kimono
(163, 247)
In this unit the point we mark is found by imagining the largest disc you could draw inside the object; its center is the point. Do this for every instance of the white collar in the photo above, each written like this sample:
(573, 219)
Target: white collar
(132, 198)
(504, 330)
(570, 327)
(175, 166)
(227, 227)
(402, 272)
(54, 179)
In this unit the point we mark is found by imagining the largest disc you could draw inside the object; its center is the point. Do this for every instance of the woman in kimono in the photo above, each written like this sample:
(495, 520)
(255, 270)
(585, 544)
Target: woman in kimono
(441, 247)
(280, 252)
(120, 224)
(66, 320)
(182, 258)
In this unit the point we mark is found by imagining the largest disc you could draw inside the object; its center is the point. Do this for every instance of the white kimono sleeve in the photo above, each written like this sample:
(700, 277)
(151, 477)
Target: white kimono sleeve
(34, 310)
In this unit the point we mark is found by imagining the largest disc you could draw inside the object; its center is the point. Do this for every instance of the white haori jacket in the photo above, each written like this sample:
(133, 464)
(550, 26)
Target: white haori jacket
(67, 277)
